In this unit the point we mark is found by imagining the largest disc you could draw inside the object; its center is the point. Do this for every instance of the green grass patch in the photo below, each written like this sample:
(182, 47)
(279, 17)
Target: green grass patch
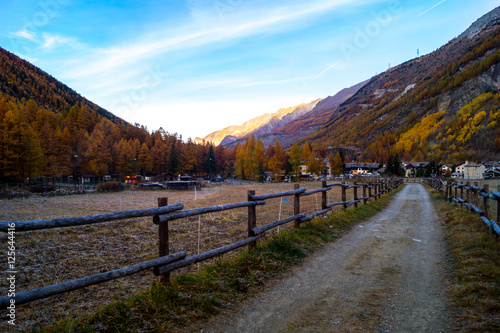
(475, 258)
(195, 296)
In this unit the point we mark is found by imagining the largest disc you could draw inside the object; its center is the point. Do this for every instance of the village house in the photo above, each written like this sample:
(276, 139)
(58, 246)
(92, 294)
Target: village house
(492, 170)
(361, 168)
(412, 168)
(303, 170)
(470, 170)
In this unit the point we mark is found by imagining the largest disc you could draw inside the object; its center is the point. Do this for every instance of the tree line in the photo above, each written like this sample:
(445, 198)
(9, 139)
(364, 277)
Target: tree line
(36, 141)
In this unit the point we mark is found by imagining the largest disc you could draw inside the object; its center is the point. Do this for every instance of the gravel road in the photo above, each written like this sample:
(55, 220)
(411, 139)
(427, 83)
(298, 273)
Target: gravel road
(386, 275)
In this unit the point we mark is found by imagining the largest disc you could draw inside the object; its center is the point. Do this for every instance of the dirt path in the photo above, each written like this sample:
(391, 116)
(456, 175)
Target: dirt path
(385, 276)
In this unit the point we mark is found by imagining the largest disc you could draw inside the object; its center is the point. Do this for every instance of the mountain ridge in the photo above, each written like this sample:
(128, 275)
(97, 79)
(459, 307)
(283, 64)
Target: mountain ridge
(442, 86)
(21, 79)
(259, 125)
(400, 98)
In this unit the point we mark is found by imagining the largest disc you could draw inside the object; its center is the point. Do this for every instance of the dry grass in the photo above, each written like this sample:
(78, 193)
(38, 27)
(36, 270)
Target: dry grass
(57, 255)
(475, 255)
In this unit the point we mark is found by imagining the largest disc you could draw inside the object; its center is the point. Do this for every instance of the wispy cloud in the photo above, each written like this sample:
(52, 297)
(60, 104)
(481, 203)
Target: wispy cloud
(430, 8)
(29, 35)
(243, 24)
(247, 82)
(54, 41)
(326, 70)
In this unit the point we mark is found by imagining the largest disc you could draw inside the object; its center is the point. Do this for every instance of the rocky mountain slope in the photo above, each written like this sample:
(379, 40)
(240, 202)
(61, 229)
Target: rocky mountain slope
(286, 125)
(443, 96)
(383, 114)
(259, 125)
(310, 122)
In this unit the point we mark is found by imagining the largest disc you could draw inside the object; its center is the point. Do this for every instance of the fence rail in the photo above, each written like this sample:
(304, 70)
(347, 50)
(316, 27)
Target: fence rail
(166, 262)
(467, 195)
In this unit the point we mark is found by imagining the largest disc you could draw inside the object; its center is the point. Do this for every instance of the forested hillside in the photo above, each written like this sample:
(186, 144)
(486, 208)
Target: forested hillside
(47, 129)
(442, 107)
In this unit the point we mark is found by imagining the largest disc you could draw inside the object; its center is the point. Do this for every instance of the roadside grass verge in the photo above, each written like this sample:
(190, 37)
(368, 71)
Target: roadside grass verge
(475, 259)
(192, 297)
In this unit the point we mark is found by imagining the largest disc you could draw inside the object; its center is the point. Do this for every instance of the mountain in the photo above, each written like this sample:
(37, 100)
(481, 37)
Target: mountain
(441, 107)
(286, 125)
(21, 79)
(47, 129)
(311, 121)
(259, 125)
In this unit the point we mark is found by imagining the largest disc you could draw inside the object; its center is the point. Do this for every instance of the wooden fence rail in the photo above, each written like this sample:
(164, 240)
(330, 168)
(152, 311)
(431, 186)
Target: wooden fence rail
(161, 215)
(455, 193)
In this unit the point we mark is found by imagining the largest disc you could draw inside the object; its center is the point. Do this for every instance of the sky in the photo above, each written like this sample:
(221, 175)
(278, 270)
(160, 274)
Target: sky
(196, 66)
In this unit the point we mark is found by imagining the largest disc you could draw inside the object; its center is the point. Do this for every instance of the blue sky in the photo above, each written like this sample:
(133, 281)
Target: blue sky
(196, 66)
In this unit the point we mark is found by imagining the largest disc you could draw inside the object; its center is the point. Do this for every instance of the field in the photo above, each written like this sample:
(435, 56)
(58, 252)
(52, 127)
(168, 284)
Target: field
(56, 255)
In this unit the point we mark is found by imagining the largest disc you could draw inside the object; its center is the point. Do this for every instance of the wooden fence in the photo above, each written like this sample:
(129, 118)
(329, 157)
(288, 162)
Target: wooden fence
(167, 262)
(471, 197)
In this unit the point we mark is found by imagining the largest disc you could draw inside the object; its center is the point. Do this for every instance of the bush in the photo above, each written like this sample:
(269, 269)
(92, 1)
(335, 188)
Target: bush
(41, 188)
(110, 187)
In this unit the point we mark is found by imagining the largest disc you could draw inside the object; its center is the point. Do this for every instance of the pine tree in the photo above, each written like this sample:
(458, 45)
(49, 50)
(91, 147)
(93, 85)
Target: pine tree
(295, 159)
(210, 163)
(173, 160)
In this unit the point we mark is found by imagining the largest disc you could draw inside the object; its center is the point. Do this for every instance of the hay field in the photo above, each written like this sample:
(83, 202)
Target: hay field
(52, 256)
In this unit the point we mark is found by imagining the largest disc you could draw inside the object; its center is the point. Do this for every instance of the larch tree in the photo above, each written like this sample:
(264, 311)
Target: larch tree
(173, 158)
(336, 164)
(98, 156)
(145, 160)
(258, 159)
(306, 151)
(295, 158)
(276, 162)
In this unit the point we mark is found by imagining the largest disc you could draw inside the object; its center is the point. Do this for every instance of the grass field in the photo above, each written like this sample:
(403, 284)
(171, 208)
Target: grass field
(475, 267)
(51, 256)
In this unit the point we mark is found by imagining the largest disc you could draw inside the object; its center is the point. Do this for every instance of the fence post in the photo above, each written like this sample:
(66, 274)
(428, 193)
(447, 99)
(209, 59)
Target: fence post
(344, 196)
(323, 195)
(355, 190)
(486, 205)
(456, 189)
(370, 190)
(163, 239)
(474, 195)
(467, 192)
(498, 207)
(296, 205)
(461, 194)
(364, 194)
(252, 218)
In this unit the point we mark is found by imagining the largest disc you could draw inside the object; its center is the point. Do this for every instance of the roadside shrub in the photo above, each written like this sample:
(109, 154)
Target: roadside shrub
(110, 187)
(41, 188)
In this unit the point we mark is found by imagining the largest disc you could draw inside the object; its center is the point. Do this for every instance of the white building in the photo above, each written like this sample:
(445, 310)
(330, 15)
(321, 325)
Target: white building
(471, 170)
